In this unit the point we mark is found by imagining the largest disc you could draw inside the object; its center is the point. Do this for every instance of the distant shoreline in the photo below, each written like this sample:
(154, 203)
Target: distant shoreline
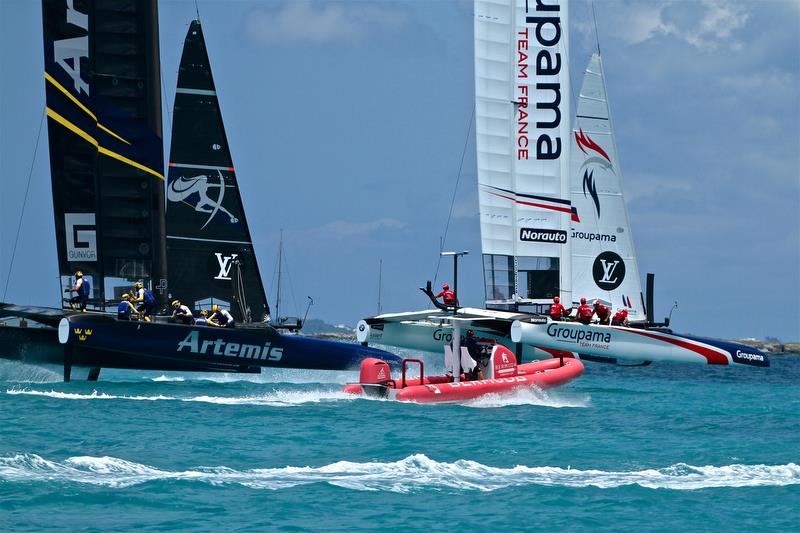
(772, 347)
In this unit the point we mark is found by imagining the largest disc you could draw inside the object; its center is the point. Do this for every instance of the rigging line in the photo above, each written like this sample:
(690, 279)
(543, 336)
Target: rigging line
(24, 203)
(453, 200)
(197, 10)
(596, 33)
(166, 102)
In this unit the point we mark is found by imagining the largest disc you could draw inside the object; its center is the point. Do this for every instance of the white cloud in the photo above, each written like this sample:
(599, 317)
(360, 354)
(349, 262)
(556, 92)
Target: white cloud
(304, 22)
(705, 25)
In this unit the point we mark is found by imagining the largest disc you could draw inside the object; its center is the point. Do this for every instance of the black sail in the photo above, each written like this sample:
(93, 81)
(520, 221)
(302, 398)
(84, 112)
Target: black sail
(106, 156)
(208, 241)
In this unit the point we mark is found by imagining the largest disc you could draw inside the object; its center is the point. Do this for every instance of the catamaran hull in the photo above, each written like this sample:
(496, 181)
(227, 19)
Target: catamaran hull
(633, 343)
(431, 337)
(139, 345)
(568, 339)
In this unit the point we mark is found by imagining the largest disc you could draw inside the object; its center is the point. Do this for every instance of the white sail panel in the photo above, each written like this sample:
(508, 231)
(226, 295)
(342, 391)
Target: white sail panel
(603, 254)
(522, 105)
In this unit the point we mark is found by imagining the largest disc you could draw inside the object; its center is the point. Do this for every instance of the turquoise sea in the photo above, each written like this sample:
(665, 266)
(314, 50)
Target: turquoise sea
(652, 448)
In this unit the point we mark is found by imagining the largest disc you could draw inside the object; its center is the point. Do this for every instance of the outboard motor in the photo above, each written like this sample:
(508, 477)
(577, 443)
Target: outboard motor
(375, 378)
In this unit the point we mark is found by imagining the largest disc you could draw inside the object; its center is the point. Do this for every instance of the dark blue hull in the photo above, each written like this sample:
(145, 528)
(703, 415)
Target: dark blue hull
(109, 343)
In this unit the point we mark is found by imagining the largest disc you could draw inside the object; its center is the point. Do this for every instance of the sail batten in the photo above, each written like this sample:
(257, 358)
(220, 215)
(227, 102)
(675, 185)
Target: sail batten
(206, 225)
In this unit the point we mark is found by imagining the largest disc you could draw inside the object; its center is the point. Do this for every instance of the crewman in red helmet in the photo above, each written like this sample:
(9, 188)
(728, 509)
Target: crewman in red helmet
(557, 311)
(447, 296)
(603, 312)
(585, 312)
(620, 318)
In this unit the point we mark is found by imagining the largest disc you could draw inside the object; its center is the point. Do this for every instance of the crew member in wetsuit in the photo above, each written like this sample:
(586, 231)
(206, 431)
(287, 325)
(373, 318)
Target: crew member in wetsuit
(585, 313)
(603, 312)
(220, 318)
(145, 299)
(447, 296)
(557, 311)
(181, 313)
(202, 320)
(125, 308)
(82, 288)
(620, 318)
(471, 344)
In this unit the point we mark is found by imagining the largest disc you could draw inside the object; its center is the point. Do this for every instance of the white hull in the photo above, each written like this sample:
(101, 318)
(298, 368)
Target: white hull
(538, 337)
(634, 343)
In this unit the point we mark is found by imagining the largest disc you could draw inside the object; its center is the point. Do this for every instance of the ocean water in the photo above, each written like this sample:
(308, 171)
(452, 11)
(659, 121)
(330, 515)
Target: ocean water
(653, 448)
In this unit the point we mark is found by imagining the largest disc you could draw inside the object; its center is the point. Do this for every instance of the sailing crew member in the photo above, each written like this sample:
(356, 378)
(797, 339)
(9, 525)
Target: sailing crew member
(585, 313)
(620, 318)
(125, 308)
(82, 288)
(603, 312)
(220, 318)
(145, 299)
(181, 313)
(202, 320)
(447, 296)
(557, 311)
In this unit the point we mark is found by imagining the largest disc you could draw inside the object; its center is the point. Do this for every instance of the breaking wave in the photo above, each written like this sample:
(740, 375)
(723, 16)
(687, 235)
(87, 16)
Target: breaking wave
(412, 474)
(77, 396)
(165, 378)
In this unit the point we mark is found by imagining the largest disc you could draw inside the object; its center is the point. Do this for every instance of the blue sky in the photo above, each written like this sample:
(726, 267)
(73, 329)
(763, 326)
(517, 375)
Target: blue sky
(347, 121)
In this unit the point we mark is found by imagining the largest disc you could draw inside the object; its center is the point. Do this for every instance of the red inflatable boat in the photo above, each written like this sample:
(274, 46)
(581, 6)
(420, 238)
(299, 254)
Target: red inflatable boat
(501, 373)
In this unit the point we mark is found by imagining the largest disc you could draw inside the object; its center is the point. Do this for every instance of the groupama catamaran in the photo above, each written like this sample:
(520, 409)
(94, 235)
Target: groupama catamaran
(552, 212)
(102, 80)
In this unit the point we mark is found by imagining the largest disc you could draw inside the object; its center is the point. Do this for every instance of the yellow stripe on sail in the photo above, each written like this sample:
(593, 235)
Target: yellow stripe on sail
(112, 133)
(78, 103)
(118, 157)
(70, 126)
(105, 151)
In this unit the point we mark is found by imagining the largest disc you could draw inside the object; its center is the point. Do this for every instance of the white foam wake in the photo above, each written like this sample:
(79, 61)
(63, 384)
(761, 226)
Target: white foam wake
(23, 372)
(530, 396)
(414, 473)
(277, 398)
(77, 396)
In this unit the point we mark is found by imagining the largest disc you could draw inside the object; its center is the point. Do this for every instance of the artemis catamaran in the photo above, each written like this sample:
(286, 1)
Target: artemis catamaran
(106, 158)
(553, 217)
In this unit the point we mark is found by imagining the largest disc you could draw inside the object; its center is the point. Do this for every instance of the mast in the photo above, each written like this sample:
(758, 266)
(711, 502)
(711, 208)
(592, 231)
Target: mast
(280, 271)
(380, 283)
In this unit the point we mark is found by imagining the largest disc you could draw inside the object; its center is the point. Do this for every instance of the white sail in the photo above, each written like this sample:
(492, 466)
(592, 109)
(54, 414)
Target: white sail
(522, 99)
(603, 257)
